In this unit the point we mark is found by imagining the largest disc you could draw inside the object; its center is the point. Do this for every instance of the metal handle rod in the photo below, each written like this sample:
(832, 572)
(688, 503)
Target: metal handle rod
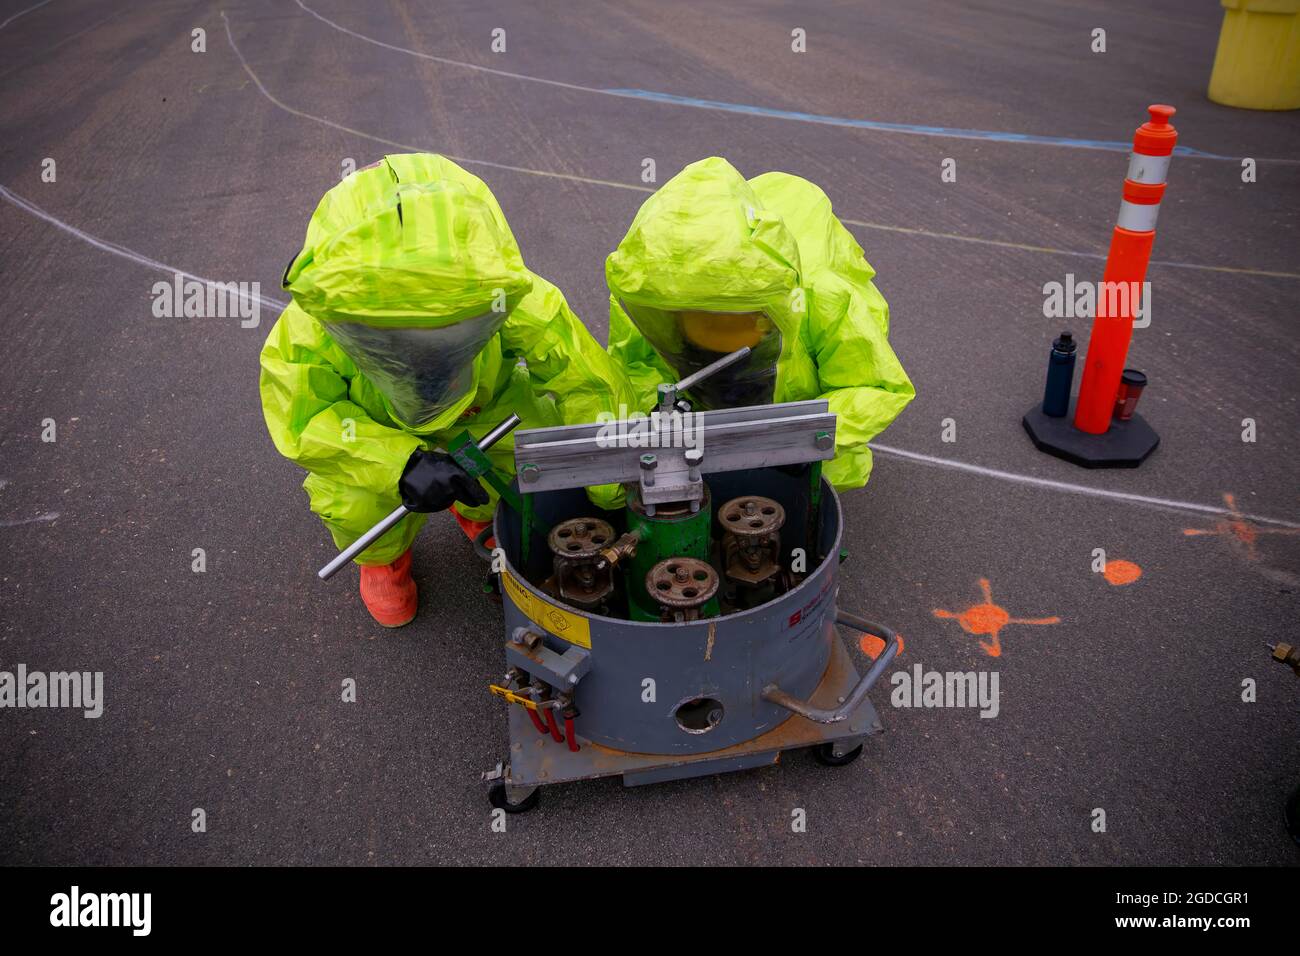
(669, 391)
(401, 511)
(363, 542)
(498, 433)
(696, 377)
(822, 715)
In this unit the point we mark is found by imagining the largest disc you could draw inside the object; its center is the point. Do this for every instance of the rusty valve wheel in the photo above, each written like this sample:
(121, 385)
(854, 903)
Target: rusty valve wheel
(751, 544)
(580, 538)
(682, 583)
(751, 516)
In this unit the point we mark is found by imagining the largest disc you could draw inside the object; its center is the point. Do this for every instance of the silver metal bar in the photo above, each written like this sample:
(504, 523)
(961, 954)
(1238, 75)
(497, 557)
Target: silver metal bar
(764, 436)
(498, 433)
(763, 443)
(363, 542)
(401, 511)
(823, 715)
(696, 377)
(530, 437)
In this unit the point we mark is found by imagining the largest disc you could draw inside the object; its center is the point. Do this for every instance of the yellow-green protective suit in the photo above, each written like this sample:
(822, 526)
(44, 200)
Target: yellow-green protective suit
(710, 242)
(414, 319)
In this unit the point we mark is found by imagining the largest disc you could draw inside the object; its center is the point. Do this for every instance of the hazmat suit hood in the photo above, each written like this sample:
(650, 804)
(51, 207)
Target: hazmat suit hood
(411, 267)
(404, 255)
(704, 269)
(713, 261)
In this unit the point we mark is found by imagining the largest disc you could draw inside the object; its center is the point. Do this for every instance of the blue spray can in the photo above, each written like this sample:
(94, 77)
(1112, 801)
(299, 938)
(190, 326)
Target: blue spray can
(1060, 376)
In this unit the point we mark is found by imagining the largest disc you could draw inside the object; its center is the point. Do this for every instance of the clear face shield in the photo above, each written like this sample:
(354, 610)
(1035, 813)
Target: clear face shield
(421, 371)
(688, 339)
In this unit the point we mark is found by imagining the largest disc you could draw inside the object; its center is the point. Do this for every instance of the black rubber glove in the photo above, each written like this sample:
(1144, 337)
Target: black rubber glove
(432, 480)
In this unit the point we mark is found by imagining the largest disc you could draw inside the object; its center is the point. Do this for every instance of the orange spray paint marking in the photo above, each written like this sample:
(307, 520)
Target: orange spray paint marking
(988, 619)
(1121, 572)
(873, 646)
(1242, 531)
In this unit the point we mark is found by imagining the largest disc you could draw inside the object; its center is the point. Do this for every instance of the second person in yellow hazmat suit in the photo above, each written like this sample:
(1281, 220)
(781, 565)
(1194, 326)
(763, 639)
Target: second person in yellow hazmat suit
(414, 319)
(714, 262)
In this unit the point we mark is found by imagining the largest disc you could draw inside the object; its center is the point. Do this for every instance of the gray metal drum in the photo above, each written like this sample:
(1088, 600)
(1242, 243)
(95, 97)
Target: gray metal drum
(707, 676)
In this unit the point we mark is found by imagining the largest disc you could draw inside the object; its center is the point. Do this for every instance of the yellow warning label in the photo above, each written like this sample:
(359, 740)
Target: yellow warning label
(563, 624)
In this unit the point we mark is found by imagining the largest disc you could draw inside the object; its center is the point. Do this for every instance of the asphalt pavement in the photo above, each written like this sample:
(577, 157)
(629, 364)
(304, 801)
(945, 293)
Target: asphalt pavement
(222, 688)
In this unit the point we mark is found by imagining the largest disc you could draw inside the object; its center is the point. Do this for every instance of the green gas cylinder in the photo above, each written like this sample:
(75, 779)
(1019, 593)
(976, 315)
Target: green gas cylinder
(673, 531)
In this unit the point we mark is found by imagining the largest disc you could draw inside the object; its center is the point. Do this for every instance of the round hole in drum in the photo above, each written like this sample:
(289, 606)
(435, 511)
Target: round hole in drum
(698, 715)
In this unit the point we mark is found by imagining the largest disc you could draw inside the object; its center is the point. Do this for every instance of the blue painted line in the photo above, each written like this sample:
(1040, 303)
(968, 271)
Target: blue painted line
(946, 131)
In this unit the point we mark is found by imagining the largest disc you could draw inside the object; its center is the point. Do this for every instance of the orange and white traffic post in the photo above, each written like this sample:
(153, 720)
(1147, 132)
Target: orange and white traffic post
(1126, 270)
(1097, 439)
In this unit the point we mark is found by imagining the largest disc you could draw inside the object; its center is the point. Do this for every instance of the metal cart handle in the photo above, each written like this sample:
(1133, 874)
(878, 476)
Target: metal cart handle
(775, 695)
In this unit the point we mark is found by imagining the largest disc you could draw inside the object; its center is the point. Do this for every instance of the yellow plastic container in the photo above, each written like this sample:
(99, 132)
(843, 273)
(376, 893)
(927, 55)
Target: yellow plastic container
(1257, 65)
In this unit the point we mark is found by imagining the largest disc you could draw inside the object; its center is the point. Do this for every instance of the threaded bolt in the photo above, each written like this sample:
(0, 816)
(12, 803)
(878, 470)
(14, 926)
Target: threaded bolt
(648, 465)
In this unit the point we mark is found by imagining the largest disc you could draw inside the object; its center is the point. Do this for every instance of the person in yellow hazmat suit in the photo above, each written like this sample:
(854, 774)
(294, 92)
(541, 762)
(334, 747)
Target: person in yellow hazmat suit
(713, 262)
(414, 319)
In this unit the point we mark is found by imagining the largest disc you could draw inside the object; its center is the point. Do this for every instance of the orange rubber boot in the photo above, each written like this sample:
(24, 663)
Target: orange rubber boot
(389, 591)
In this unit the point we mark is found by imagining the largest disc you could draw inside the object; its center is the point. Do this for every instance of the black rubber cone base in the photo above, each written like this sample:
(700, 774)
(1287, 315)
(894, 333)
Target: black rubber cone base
(1125, 444)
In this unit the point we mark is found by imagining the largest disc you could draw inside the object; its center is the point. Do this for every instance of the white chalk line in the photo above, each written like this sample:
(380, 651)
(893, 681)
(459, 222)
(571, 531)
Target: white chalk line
(22, 13)
(150, 263)
(1070, 488)
(409, 146)
(48, 516)
(587, 180)
(1141, 500)
(1052, 251)
(770, 113)
(118, 250)
(577, 87)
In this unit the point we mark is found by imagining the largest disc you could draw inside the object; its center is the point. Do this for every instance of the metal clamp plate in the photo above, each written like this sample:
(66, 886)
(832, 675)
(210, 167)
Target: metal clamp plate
(734, 439)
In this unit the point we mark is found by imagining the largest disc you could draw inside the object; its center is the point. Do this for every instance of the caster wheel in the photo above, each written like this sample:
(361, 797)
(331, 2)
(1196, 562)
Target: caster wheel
(497, 797)
(825, 755)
